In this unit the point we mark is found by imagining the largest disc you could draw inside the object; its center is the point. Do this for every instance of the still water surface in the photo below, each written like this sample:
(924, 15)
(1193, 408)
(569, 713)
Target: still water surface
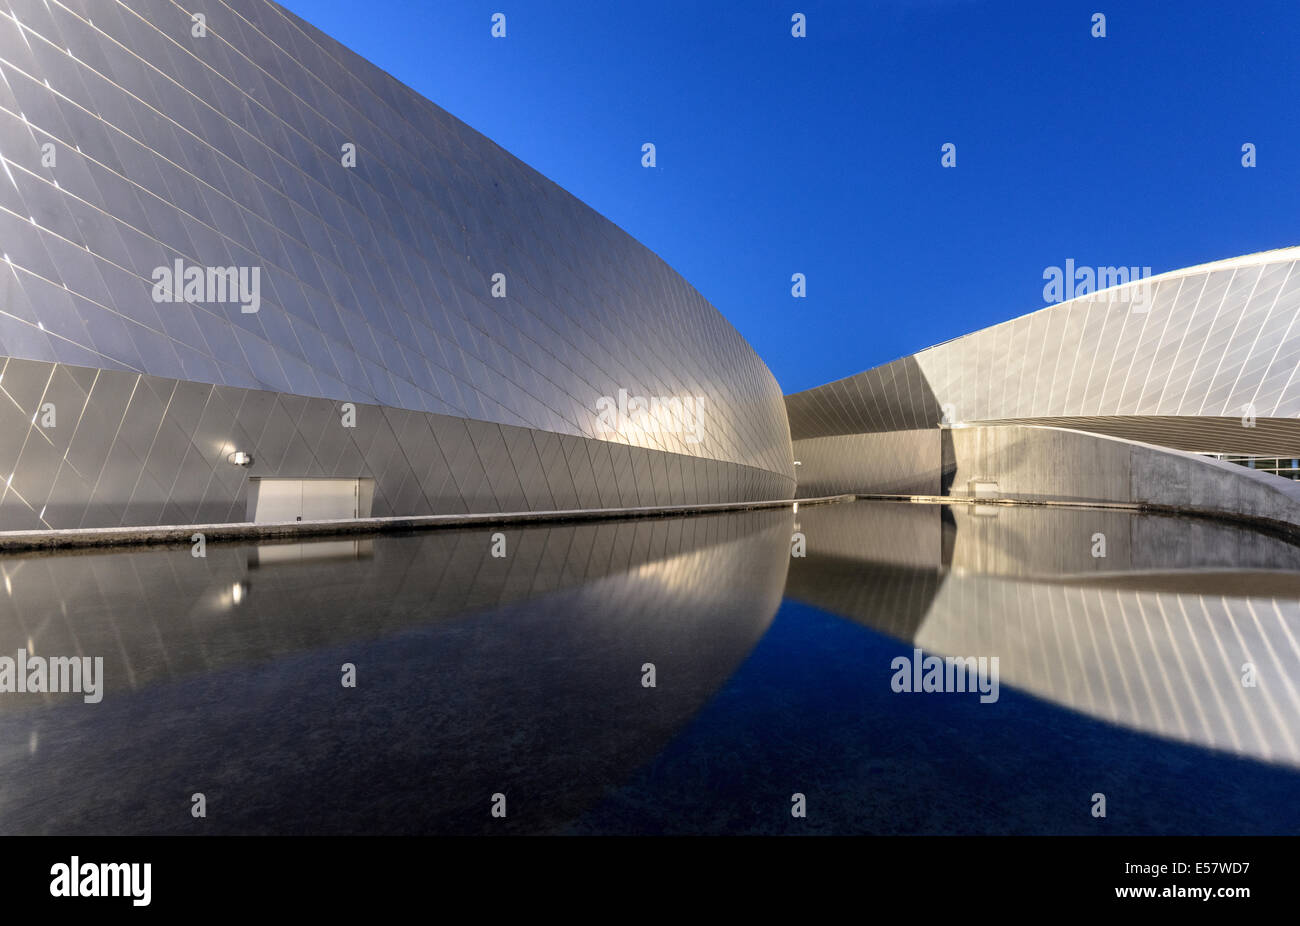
(774, 675)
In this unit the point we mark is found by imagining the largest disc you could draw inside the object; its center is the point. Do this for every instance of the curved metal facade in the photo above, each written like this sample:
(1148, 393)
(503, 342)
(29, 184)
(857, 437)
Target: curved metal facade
(129, 143)
(1105, 397)
(1179, 359)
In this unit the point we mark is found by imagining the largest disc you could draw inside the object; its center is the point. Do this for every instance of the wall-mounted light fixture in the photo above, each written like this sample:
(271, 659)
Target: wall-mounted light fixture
(240, 458)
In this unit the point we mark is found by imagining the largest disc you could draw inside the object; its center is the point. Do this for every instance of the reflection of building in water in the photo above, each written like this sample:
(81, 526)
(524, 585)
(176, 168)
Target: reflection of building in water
(1153, 637)
(1164, 662)
(163, 613)
(471, 670)
(274, 554)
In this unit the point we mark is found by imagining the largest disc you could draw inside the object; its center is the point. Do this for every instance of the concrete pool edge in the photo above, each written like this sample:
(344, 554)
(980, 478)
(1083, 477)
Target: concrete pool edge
(1283, 529)
(170, 534)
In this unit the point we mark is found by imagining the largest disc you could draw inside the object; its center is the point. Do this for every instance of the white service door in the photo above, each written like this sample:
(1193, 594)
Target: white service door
(306, 499)
(278, 500)
(324, 499)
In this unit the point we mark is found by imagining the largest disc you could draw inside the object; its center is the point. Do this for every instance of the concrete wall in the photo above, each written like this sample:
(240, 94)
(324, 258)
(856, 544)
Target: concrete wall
(1042, 464)
(1038, 463)
(1030, 463)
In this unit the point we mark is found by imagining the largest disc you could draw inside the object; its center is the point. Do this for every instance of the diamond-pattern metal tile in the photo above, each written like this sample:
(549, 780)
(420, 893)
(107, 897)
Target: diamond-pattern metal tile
(375, 284)
(1208, 345)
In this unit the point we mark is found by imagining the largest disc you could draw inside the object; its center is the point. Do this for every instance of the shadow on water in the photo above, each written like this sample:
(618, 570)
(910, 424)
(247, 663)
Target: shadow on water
(526, 675)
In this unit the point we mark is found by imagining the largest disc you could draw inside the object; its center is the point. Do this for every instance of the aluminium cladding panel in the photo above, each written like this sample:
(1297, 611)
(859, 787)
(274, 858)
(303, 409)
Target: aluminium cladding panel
(880, 463)
(1217, 340)
(129, 143)
(130, 449)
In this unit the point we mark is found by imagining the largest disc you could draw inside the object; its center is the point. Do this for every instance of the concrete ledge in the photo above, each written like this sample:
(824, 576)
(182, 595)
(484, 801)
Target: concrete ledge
(1037, 465)
(15, 541)
(1284, 529)
(999, 500)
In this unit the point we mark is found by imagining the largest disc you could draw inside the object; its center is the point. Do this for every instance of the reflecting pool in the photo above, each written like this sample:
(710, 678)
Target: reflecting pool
(675, 675)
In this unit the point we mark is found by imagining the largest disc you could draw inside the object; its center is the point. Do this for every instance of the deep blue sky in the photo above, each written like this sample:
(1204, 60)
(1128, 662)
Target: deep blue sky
(821, 155)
